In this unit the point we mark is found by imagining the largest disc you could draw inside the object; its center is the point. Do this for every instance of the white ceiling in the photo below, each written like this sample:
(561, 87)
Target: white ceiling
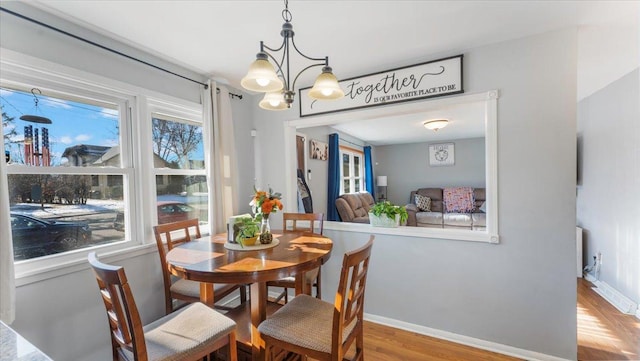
(220, 38)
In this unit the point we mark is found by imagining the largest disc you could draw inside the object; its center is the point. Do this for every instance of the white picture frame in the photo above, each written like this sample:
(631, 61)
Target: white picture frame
(441, 154)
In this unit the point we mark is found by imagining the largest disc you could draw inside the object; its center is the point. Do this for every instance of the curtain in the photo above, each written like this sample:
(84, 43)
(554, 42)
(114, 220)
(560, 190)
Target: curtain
(222, 163)
(7, 278)
(368, 172)
(333, 181)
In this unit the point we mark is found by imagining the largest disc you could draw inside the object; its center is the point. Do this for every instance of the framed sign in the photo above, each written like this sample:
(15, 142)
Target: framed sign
(432, 79)
(441, 154)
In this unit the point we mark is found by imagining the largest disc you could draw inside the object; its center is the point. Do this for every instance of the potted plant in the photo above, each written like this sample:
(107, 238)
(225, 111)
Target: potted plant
(385, 214)
(246, 231)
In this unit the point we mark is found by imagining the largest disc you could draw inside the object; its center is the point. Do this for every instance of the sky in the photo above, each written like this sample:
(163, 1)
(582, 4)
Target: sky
(72, 123)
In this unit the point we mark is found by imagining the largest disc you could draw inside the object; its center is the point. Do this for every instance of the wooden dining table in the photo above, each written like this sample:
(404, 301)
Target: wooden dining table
(208, 260)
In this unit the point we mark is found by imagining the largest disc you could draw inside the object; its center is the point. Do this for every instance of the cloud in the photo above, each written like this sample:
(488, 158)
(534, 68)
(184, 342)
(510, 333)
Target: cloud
(109, 113)
(56, 103)
(110, 142)
(5, 92)
(82, 137)
(65, 140)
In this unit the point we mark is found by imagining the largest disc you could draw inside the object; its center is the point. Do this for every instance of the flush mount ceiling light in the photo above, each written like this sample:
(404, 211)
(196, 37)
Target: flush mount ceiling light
(436, 124)
(32, 117)
(276, 81)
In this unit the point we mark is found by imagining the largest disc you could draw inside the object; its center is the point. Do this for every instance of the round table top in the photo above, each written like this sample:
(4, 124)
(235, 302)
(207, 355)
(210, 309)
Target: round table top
(207, 260)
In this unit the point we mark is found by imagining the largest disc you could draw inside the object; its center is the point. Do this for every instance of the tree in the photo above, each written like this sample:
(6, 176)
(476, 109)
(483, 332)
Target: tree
(174, 141)
(9, 130)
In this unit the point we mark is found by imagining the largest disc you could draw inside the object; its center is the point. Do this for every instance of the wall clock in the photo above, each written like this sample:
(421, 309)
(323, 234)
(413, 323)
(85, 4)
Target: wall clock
(441, 154)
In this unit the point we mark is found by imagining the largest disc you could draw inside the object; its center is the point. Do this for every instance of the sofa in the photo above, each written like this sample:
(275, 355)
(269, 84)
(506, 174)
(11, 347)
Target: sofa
(354, 207)
(437, 216)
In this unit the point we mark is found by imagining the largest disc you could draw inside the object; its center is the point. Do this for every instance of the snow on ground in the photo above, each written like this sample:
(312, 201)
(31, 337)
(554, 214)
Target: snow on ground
(52, 210)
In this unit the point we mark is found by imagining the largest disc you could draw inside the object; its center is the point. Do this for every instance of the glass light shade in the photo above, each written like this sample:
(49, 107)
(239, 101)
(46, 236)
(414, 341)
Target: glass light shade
(273, 101)
(262, 77)
(326, 86)
(436, 124)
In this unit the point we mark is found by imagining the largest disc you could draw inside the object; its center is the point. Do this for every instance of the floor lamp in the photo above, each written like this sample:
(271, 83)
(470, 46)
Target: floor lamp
(382, 183)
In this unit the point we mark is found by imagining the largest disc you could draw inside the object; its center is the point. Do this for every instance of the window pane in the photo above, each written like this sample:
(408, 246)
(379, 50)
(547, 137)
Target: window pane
(356, 165)
(53, 213)
(357, 186)
(177, 145)
(185, 197)
(345, 165)
(347, 188)
(80, 133)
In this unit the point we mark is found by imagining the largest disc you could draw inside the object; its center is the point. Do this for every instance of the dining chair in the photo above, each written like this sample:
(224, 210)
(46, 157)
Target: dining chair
(191, 333)
(169, 235)
(312, 278)
(309, 327)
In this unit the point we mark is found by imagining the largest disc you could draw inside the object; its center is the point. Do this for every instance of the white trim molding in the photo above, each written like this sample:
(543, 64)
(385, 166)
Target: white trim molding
(463, 340)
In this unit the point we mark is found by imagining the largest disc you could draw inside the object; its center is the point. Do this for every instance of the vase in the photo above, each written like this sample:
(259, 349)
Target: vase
(265, 231)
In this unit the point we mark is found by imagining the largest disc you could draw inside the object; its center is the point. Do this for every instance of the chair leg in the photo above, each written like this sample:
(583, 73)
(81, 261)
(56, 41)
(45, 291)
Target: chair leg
(233, 347)
(243, 293)
(319, 284)
(286, 295)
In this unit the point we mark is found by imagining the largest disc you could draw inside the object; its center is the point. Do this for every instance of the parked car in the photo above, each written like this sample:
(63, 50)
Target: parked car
(35, 237)
(168, 211)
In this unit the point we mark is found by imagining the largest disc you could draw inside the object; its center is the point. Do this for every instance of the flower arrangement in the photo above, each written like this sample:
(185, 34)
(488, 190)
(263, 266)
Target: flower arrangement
(264, 203)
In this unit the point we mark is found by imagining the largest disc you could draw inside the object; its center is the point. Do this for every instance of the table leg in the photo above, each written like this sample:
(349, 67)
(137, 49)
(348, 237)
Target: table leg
(258, 314)
(301, 285)
(206, 294)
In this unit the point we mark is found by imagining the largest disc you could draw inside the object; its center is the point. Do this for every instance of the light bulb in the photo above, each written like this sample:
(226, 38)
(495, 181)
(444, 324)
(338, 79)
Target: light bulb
(326, 92)
(262, 81)
(274, 102)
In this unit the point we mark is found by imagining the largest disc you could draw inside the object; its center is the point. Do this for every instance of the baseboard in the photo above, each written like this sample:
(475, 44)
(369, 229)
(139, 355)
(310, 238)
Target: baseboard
(464, 340)
(589, 277)
(617, 299)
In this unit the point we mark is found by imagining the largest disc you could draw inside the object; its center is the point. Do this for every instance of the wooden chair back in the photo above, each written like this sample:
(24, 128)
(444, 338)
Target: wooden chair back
(124, 320)
(169, 235)
(349, 301)
(312, 219)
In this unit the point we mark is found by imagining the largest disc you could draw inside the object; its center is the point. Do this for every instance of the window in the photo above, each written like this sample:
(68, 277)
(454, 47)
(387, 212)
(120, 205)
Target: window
(99, 179)
(181, 181)
(65, 178)
(352, 170)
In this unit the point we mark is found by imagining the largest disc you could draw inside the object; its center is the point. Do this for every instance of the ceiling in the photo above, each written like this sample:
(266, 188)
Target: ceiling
(220, 38)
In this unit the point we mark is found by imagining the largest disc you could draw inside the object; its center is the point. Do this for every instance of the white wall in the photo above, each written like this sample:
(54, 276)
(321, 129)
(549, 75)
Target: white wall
(521, 292)
(407, 168)
(608, 202)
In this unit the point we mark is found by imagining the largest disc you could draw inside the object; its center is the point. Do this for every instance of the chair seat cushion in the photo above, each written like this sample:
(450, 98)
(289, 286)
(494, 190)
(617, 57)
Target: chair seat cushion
(192, 288)
(305, 321)
(184, 333)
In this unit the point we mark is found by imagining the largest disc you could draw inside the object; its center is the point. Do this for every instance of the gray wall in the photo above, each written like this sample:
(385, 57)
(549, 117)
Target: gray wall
(407, 168)
(608, 202)
(521, 292)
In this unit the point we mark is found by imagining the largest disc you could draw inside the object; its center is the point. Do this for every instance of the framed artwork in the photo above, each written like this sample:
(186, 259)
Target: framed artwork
(442, 154)
(319, 150)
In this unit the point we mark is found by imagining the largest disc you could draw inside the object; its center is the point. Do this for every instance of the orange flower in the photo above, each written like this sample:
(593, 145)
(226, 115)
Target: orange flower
(266, 202)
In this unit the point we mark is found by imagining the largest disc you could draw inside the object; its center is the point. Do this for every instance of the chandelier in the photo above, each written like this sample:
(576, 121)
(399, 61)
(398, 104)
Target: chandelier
(276, 83)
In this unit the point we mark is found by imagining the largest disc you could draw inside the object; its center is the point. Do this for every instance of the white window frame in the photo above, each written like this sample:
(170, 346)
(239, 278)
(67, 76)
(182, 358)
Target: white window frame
(352, 153)
(21, 71)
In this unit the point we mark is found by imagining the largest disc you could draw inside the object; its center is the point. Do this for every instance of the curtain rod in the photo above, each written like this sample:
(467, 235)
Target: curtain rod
(110, 49)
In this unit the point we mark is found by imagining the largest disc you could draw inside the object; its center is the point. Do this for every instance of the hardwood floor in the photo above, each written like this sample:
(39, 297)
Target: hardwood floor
(604, 333)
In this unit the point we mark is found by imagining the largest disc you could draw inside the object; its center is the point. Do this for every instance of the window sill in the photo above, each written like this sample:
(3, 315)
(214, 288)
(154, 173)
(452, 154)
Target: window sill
(28, 272)
(422, 232)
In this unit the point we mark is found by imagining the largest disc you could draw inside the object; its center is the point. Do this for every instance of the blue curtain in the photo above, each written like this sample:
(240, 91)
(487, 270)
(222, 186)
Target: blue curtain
(333, 181)
(368, 172)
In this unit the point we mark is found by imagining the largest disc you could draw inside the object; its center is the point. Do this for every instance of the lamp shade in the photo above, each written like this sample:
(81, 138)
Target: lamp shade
(382, 181)
(273, 101)
(326, 86)
(261, 76)
(436, 124)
